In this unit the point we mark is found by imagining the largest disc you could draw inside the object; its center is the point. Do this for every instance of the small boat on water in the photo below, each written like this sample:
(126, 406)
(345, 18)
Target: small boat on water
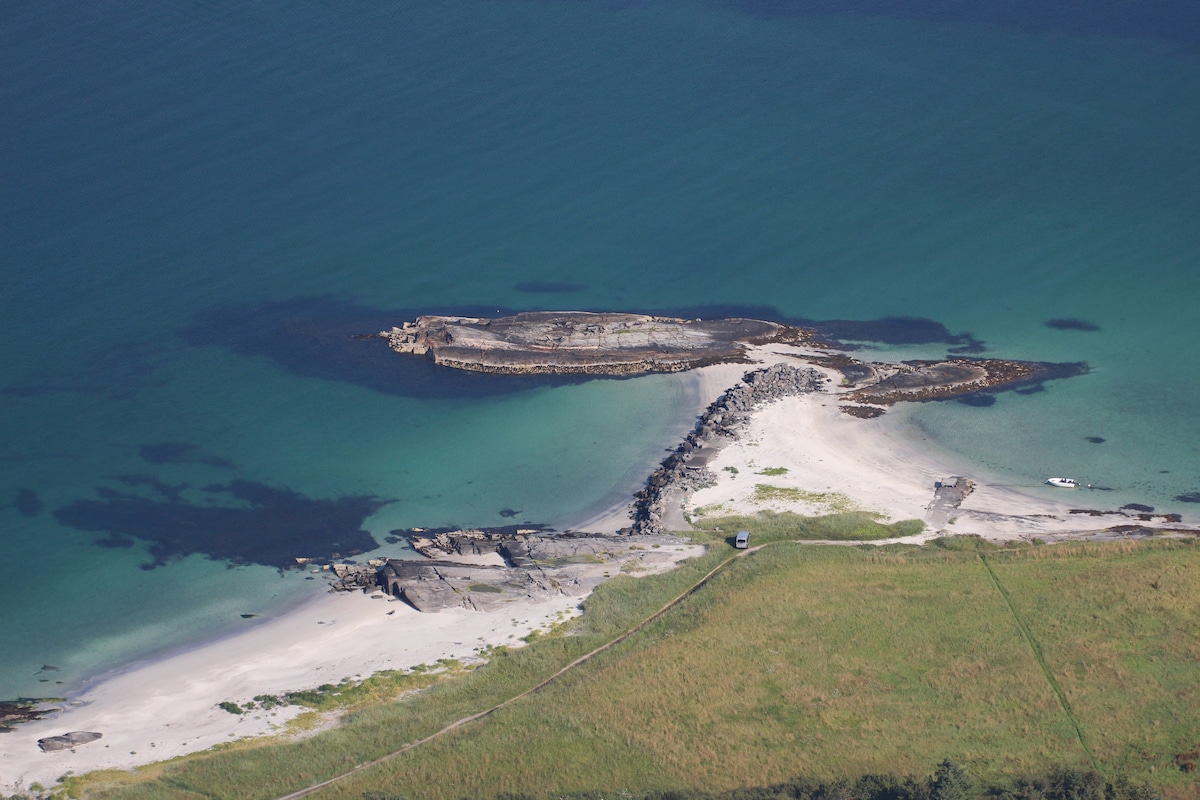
(1063, 483)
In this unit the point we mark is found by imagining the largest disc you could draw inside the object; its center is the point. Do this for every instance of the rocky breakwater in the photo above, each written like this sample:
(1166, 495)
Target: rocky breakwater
(686, 469)
(576, 342)
(525, 566)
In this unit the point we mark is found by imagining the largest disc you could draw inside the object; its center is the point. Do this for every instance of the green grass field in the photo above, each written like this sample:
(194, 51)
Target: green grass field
(784, 526)
(796, 660)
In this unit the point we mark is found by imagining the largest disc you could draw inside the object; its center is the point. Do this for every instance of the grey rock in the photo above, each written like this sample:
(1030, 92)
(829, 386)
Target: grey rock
(67, 741)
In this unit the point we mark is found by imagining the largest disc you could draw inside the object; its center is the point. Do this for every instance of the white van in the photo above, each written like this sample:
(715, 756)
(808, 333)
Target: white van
(742, 541)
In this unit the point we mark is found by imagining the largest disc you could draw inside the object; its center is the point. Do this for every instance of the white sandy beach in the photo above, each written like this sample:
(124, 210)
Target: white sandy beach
(169, 707)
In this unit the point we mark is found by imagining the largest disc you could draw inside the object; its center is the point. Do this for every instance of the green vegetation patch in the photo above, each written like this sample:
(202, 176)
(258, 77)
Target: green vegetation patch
(834, 501)
(582, 558)
(771, 471)
(855, 526)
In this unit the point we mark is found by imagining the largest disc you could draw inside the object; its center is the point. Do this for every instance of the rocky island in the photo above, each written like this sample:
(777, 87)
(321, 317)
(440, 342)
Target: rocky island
(588, 343)
(578, 342)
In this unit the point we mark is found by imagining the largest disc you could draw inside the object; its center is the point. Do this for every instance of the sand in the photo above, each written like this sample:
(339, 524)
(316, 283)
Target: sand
(168, 707)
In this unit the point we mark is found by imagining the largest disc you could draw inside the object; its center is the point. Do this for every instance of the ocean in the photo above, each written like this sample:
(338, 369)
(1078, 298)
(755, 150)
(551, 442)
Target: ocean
(200, 203)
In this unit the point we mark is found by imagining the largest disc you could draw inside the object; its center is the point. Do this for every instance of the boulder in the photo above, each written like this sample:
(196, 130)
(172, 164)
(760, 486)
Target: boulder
(67, 741)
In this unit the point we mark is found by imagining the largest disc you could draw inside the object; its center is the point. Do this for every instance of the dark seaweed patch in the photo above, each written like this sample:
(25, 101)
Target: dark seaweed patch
(172, 492)
(1071, 324)
(243, 523)
(1036, 388)
(1188, 497)
(898, 330)
(27, 502)
(885, 330)
(1137, 507)
(181, 453)
(1095, 439)
(313, 337)
(549, 287)
(977, 400)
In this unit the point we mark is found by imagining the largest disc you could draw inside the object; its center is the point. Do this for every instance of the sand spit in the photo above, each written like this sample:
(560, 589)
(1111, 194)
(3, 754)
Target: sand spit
(837, 461)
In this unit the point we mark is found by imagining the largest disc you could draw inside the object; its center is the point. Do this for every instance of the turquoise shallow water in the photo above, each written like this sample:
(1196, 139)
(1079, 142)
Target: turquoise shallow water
(199, 204)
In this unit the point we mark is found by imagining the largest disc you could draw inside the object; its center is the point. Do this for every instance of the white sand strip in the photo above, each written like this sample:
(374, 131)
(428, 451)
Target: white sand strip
(166, 708)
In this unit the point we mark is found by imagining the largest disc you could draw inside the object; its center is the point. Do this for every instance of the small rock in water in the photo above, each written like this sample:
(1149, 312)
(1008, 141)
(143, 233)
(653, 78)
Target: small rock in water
(508, 512)
(27, 503)
(49, 668)
(1071, 324)
(249, 616)
(1095, 439)
(978, 400)
(1188, 497)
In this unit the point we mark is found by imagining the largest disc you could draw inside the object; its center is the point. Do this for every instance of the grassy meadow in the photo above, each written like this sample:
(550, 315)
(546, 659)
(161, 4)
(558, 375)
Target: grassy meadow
(795, 660)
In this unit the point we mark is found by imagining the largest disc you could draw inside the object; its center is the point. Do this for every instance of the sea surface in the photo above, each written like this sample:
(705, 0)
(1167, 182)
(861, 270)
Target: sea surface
(200, 203)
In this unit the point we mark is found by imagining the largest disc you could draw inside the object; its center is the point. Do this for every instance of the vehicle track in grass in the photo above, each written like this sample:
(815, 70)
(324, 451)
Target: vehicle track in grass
(1027, 634)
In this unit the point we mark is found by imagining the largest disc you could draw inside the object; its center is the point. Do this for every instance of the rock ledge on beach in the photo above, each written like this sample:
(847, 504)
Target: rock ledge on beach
(570, 564)
(67, 741)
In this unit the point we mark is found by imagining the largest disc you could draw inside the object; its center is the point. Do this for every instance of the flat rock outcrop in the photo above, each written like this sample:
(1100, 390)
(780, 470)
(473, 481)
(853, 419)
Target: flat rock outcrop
(569, 564)
(16, 711)
(919, 381)
(577, 342)
(67, 741)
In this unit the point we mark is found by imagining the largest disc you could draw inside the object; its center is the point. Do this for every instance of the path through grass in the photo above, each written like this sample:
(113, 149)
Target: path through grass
(1036, 649)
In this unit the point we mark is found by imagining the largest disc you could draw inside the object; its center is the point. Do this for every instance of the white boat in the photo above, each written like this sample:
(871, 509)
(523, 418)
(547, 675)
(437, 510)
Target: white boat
(1063, 483)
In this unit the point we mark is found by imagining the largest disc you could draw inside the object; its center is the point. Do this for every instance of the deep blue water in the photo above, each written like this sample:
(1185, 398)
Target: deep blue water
(200, 203)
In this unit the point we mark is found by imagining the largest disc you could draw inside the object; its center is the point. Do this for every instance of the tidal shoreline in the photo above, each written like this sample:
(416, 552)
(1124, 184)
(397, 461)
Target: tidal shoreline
(168, 707)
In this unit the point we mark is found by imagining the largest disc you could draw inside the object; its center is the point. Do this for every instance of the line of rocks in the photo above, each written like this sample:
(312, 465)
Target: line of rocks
(686, 469)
